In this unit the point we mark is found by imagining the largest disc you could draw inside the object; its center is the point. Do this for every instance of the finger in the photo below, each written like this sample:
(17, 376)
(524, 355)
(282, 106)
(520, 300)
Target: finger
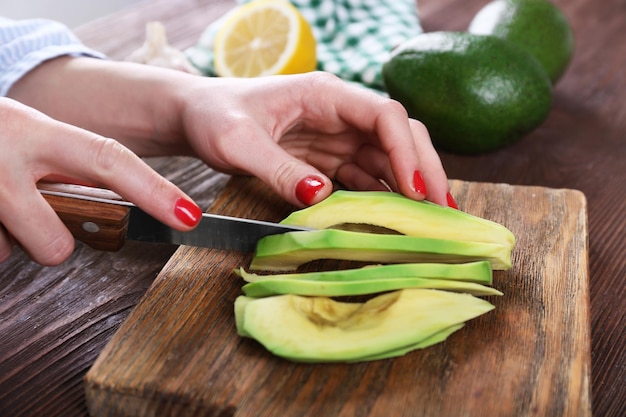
(257, 154)
(376, 162)
(355, 178)
(32, 222)
(58, 149)
(408, 147)
(398, 142)
(95, 159)
(430, 164)
(27, 219)
(6, 244)
(408, 159)
(297, 182)
(67, 180)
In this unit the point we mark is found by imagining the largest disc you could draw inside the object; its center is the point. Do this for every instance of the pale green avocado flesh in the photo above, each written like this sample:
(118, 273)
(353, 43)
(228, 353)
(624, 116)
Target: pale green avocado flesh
(398, 213)
(374, 279)
(319, 329)
(429, 341)
(479, 272)
(270, 286)
(424, 275)
(287, 251)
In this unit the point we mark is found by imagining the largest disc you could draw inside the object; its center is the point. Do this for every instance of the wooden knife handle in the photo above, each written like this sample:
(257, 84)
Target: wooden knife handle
(100, 224)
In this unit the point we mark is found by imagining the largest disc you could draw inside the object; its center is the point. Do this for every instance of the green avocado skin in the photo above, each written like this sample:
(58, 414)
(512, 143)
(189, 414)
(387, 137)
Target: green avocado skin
(474, 93)
(537, 26)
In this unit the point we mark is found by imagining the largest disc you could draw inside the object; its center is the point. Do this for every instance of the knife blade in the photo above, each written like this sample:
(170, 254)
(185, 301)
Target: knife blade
(103, 220)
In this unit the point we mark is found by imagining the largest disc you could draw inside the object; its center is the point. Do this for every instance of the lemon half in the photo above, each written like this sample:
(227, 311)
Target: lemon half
(264, 37)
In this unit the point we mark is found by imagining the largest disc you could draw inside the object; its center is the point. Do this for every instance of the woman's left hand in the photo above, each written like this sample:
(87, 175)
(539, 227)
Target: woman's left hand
(298, 132)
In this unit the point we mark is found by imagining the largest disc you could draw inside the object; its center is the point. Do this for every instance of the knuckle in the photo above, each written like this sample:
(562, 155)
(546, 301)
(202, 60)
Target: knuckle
(108, 153)
(236, 137)
(57, 250)
(418, 126)
(14, 115)
(395, 106)
(285, 172)
(318, 81)
(322, 79)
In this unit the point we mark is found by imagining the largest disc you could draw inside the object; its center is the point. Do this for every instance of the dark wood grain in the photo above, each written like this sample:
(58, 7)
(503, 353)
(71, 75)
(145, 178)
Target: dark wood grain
(55, 321)
(178, 352)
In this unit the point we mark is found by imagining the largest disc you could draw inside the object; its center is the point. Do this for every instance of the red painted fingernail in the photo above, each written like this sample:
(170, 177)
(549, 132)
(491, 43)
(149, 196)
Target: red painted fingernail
(307, 189)
(418, 183)
(451, 202)
(187, 212)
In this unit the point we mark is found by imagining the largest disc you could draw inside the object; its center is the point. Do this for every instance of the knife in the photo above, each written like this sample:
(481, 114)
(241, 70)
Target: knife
(103, 220)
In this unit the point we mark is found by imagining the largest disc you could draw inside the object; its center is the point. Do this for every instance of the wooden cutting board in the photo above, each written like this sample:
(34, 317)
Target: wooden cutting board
(178, 354)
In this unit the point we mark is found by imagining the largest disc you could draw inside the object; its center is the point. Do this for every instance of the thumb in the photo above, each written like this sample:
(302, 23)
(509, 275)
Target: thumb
(294, 180)
(300, 183)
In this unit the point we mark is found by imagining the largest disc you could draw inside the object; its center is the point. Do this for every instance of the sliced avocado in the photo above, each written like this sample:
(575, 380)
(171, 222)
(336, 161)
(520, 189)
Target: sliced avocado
(287, 251)
(430, 341)
(398, 213)
(373, 279)
(240, 307)
(479, 272)
(269, 286)
(319, 329)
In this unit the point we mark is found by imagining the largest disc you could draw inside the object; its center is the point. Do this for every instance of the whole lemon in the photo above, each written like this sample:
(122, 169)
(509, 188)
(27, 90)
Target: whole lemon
(474, 93)
(537, 26)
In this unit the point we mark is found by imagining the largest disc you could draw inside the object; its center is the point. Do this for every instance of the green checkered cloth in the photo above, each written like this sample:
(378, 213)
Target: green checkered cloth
(354, 37)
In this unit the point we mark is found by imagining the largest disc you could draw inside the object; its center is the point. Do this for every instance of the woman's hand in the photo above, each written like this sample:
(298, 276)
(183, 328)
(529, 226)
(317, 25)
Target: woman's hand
(297, 132)
(294, 132)
(35, 147)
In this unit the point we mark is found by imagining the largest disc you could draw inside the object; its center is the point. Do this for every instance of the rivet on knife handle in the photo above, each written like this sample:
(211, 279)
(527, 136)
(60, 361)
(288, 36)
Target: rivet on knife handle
(99, 224)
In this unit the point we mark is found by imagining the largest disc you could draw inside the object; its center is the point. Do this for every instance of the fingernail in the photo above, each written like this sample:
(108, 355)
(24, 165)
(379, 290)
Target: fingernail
(451, 202)
(307, 189)
(187, 212)
(418, 183)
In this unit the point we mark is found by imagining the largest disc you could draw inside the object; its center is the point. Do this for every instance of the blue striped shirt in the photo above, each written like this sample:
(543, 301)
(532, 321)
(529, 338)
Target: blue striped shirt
(24, 44)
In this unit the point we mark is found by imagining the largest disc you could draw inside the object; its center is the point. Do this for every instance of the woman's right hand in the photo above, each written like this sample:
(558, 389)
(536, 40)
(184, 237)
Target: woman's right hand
(35, 147)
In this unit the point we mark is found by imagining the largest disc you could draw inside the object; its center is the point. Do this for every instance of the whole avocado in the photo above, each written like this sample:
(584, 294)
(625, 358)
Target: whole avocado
(537, 26)
(474, 93)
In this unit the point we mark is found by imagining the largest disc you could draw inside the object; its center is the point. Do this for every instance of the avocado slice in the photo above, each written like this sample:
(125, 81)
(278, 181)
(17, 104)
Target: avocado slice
(430, 341)
(464, 277)
(319, 329)
(287, 251)
(479, 272)
(398, 213)
(269, 286)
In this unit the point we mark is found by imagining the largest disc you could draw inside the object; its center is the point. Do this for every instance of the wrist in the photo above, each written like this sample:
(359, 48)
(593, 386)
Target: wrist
(136, 104)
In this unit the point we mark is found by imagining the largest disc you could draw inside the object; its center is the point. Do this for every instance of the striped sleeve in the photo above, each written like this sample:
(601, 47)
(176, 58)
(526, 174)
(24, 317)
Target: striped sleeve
(24, 44)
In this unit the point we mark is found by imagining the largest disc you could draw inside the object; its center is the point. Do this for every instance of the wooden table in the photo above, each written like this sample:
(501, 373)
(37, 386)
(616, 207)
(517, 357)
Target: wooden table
(55, 321)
